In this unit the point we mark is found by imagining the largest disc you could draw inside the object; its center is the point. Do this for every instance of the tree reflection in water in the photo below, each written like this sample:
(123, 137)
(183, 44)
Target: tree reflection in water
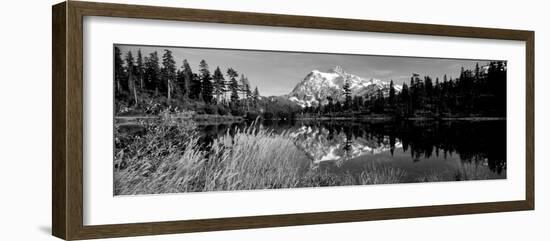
(476, 142)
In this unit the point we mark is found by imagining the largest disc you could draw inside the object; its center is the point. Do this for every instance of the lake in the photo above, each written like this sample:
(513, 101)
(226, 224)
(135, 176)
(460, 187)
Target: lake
(425, 150)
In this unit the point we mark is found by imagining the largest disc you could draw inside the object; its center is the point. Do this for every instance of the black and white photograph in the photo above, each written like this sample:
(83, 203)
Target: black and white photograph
(270, 120)
(190, 119)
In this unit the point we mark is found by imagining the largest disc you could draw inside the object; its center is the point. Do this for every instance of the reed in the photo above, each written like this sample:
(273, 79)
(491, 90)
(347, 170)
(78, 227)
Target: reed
(466, 171)
(170, 159)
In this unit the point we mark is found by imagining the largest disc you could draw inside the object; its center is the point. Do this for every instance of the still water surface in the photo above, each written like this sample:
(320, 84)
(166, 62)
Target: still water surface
(421, 148)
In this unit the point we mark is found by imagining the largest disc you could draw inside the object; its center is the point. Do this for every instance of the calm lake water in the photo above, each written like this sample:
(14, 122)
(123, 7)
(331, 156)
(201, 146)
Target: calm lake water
(420, 148)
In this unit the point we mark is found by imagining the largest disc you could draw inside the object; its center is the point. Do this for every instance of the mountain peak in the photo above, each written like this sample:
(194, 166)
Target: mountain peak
(317, 86)
(337, 69)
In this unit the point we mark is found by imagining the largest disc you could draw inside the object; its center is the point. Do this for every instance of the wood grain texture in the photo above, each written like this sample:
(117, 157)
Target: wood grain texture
(59, 192)
(74, 121)
(155, 228)
(67, 136)
(263, 19)
(530, 120)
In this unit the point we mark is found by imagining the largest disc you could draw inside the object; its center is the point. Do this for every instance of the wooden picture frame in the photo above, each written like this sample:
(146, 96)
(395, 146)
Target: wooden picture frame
(67, 120)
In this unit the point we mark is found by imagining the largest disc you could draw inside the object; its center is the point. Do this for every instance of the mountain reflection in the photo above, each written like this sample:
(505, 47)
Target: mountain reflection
(339, 143)
(479, 142)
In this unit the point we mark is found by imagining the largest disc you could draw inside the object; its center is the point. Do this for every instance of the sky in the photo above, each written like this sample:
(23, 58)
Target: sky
(277, 73)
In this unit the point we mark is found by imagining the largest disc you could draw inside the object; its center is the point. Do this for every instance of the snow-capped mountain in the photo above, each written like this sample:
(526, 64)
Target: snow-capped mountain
(318, 85)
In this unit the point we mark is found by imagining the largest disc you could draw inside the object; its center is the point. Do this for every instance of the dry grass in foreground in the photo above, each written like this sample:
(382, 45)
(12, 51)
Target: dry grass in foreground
(465, 172)
(169, 159)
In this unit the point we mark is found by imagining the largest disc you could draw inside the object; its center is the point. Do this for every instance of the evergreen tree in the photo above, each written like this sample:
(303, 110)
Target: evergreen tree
(256, 93)
(168, 72)
(392, 94)
(207, 91)
(233, 86)
(478, 91)
(152, 72)
(140, 69)
(428, 85)
(405, 100)
(427, 98)
(204, 71)
(119, 71)
(337, 106)
(248, 94)
(330, 105)
(242, 83)
(129, 58)
(180, 81)
(245, 89)
(436, 97)
(379, 102)
(356, 103)
(206, 83)
(131, 76)
(196, 87)
(412, 93)
(474, 93)
(476, 72)
(219, 84)
(191, 87)
(347, 94)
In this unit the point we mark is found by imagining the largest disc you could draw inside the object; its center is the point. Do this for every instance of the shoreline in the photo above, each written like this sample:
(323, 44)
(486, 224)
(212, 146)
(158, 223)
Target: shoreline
(388, 118)
(224, 119)
(199, 118)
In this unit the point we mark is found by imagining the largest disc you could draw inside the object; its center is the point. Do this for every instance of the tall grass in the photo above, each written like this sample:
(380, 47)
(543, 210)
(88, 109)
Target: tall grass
(466, 171)
(368, 173)
(169, 159)
(252, 158)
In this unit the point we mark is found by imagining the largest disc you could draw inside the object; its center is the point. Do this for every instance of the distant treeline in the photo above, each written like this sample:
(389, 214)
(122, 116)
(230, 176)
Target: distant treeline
(148, 85)
(151, 84)
(478, 92)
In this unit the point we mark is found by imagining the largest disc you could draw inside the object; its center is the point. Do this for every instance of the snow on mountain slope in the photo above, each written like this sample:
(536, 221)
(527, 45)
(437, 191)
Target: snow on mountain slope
(318, 85)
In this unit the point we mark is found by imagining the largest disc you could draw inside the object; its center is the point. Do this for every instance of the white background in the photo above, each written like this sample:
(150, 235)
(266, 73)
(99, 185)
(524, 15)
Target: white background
(100, 207)
(25, 127)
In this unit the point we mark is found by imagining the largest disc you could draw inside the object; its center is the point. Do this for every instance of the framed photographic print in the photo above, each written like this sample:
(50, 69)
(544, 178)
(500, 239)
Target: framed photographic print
(171, 120)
